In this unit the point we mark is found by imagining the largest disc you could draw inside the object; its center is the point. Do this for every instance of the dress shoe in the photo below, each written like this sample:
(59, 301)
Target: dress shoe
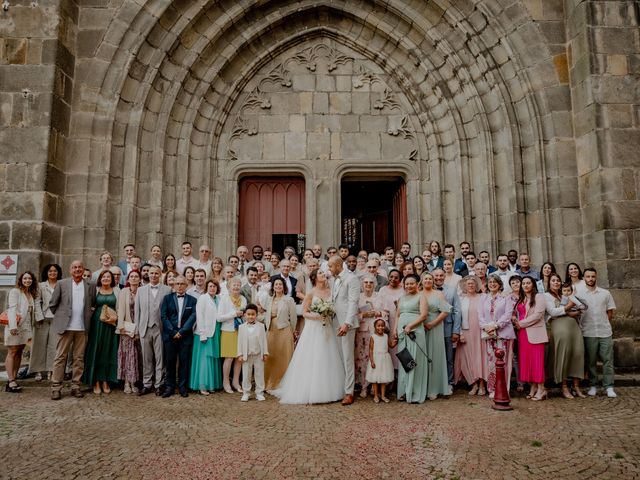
(347, 400)
(184, 393)
(159, 391)
(76, 392)
(56, 395)
(167, 393)
(146, 390)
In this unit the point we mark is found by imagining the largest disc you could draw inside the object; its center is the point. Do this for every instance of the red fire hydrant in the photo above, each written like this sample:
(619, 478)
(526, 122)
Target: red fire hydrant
(501, 398)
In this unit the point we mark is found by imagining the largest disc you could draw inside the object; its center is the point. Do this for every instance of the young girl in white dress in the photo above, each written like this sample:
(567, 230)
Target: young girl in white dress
(380, 368)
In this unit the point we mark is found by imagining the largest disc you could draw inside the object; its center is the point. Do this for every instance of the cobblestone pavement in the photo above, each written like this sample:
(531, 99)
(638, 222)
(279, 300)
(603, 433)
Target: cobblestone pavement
(219, 437)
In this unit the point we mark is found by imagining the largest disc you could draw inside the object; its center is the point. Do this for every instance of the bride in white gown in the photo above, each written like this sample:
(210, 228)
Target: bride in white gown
(316, 373)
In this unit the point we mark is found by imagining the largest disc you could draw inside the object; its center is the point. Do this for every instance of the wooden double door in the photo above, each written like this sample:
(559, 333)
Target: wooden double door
(272, 212)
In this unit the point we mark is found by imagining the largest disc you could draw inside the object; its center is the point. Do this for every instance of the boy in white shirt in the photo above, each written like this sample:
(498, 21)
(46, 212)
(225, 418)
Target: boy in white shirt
(252, 352)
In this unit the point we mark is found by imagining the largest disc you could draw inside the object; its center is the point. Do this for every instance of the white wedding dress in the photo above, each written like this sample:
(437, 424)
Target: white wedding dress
(315, 373)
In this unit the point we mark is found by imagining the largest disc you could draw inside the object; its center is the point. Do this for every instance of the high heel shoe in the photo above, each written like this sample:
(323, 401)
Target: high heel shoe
(540, 397)
(567, 394)
(532, 393)
(482, 392)
(105, 388)
(474, 390)
(227, 388)
(97, 390)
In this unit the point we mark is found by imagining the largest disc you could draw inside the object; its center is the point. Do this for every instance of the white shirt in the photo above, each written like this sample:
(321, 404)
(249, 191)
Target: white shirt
(181, 264)
(254, 343)
(154, 290)
(505, 276)
(180, 305)
(76, 323)
(206, 266)
(595, 321)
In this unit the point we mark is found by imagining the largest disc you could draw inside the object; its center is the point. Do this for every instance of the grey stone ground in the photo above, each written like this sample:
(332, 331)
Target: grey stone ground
(120, 436)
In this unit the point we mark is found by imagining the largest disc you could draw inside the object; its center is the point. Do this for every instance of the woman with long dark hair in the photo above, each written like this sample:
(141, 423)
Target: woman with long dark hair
(43, 346)
(23, 310)
(532, 335)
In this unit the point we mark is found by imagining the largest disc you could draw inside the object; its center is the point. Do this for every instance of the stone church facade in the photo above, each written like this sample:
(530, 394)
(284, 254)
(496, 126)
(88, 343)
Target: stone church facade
(508, 123)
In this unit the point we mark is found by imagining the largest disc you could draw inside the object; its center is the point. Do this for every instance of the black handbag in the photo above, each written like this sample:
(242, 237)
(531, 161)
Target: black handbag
(406, 359)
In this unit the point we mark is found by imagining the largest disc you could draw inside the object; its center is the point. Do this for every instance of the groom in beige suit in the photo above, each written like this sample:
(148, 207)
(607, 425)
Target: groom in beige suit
(345, 292)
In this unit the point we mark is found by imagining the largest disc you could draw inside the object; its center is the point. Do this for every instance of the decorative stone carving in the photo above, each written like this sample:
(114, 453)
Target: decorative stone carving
(280, 75)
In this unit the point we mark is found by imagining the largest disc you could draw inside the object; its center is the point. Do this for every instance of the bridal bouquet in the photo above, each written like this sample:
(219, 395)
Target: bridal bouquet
(323, 308)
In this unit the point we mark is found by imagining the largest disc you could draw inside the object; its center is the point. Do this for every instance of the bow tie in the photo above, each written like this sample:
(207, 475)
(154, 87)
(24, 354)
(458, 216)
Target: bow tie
(439, 288)
(154, 287)
(180, 296)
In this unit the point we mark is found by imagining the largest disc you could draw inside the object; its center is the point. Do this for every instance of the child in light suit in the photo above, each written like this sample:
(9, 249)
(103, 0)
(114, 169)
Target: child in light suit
(252, 352)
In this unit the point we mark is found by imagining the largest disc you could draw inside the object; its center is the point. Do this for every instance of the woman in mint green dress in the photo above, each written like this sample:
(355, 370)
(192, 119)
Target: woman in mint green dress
(412, 306)
(206, 368)
(438, 309)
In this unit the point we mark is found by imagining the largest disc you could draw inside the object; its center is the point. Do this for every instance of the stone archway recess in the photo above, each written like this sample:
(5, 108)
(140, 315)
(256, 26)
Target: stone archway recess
(479, 79)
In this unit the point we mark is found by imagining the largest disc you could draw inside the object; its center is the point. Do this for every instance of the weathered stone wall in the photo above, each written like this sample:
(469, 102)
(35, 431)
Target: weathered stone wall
(36, 72)
(117, 117)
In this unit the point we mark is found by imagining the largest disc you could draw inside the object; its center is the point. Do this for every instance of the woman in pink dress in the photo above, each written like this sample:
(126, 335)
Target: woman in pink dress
(532, 335)
(371, 307)
(471, 361)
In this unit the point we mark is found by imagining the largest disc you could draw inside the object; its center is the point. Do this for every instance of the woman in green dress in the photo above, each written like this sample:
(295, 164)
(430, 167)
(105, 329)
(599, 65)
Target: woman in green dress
(412, 385)
(101, 356)
(437, 311)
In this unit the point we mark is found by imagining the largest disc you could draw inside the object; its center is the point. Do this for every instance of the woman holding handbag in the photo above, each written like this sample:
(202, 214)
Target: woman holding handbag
(494, 311)
(101, 355)
(23, 310)
(532, 335)
(412, 308)
(129, 349)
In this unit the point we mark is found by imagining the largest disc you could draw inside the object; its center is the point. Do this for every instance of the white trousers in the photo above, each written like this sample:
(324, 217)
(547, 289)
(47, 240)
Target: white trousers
(256, 364)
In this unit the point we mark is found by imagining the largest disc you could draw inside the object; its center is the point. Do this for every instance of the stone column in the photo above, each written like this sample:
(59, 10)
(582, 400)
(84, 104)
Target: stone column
(604, 44)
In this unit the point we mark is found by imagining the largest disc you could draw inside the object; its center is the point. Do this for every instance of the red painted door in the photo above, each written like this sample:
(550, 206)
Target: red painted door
(270, 206)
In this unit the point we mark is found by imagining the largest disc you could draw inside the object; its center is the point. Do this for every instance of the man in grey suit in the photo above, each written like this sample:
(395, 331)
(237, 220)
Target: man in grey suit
(72, 303)
(345, 293)
(149, 328)
(453, 322)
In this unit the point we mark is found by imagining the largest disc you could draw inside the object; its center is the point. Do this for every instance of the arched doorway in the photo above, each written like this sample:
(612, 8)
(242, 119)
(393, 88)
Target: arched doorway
(374, 212)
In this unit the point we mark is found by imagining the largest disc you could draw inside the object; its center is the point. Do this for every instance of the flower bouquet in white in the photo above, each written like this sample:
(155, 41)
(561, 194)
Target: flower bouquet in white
(324, 308)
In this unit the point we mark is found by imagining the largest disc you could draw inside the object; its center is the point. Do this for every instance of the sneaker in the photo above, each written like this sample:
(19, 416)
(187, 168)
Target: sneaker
(592, 392)
(260, 398)
(245, 398)
(611, 393)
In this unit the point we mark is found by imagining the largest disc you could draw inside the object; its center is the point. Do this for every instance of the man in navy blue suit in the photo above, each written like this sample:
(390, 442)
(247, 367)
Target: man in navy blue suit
(178, 312)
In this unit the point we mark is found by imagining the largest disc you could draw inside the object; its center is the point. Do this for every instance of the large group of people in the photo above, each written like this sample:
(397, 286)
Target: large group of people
(312, 328)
